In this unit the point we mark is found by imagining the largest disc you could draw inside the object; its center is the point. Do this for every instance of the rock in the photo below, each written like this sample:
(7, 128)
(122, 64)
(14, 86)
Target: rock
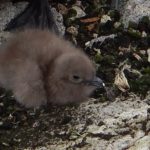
(134, 10)
(73, 13)
(41, 148)
(59, 21)
(105, 18)
(121, 144)
(79, 12)
(72, 30)
(9, 11)
(142, 144)
(101, 131)
(148, 53)
(4, 36)
(99, 39)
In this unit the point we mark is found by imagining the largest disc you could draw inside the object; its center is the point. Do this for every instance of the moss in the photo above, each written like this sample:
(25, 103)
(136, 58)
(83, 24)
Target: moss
(133, 25)
(141, 85)
(114, 14)
(146, 71)
(145, 19)
(71, 13)
(98, 58)
(109, 59)
(134, 33)
(68, 22)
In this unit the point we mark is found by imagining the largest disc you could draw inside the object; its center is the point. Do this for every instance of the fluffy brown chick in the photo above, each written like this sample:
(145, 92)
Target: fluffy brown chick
(41, 68)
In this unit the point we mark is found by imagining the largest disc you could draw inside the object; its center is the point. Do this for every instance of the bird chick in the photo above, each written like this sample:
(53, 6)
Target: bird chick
(41, 68)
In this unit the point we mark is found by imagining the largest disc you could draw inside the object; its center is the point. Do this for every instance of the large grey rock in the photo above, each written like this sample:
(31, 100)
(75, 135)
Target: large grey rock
(132, 10)
(59, 21)
(142, 144)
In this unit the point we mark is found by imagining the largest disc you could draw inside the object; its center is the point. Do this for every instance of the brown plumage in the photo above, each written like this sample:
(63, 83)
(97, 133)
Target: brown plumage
(41, 68)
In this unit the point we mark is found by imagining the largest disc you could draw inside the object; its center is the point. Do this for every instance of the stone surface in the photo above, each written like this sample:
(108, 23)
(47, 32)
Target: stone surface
(9, 11)
(133, 10)
(142, 144)
(59, 21)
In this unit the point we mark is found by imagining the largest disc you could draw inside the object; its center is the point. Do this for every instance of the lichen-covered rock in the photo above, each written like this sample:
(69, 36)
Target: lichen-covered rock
(142, 144)
(59, 21)
(134, 10)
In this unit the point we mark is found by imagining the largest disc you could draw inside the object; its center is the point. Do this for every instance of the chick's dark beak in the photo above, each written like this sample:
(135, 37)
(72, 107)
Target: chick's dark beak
(97, 82)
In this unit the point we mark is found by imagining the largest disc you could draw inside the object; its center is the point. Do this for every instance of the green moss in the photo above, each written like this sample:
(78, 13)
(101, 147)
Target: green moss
(141, 85)
(98, 58)
(133, 25)
(145, 19)
(71, 13)
(114, 14)
(109, 59)
(146, 71)
(68, 22)
(134, 33)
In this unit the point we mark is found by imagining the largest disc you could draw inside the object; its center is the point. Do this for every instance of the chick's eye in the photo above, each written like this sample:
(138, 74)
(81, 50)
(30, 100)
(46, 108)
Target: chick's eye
(76, 79)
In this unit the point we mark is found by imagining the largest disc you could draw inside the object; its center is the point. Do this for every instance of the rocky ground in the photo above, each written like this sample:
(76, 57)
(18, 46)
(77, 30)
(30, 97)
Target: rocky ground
(116, 120)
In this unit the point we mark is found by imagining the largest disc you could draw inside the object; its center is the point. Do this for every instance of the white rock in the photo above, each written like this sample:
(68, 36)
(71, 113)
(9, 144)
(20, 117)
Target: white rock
(80, 12)
(142, 144)
(105, 18)
(137, 115)
(121, 144)
(148, 53)
(101, 130)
